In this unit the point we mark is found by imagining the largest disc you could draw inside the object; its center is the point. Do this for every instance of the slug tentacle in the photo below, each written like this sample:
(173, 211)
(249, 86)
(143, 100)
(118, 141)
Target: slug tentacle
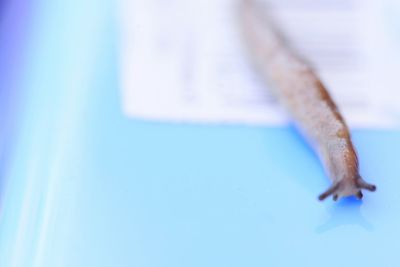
(364, 185)
(331, 190)
(359, 195)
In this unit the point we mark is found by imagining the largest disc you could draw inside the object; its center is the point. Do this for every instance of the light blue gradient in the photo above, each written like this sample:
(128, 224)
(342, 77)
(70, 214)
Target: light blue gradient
(87, 186)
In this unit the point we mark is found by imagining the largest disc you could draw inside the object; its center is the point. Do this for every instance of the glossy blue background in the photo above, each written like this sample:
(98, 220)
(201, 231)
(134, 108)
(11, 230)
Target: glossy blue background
(86, 186)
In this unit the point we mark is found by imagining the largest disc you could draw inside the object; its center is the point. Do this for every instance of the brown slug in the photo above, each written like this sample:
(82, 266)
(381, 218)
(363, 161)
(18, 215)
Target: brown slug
(298, 88)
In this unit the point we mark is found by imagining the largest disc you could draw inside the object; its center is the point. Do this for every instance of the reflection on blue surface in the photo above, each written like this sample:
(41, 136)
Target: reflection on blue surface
(91, 187)
(346, 213)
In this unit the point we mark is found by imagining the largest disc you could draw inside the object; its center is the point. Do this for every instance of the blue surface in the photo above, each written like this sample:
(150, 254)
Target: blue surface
(87, 186)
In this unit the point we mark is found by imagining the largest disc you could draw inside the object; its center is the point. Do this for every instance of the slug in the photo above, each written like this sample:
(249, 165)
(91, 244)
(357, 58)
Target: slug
(298, 89)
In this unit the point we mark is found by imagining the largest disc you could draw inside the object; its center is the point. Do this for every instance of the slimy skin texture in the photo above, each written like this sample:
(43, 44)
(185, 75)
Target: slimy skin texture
(297, 87)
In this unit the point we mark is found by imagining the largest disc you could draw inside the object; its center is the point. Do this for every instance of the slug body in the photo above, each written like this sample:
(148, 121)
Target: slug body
(297, 87)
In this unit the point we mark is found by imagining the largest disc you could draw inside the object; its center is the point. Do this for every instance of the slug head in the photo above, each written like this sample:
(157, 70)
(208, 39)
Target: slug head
(347, 187)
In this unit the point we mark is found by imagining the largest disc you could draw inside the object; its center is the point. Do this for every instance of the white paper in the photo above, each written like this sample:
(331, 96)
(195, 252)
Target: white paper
(184, 60)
